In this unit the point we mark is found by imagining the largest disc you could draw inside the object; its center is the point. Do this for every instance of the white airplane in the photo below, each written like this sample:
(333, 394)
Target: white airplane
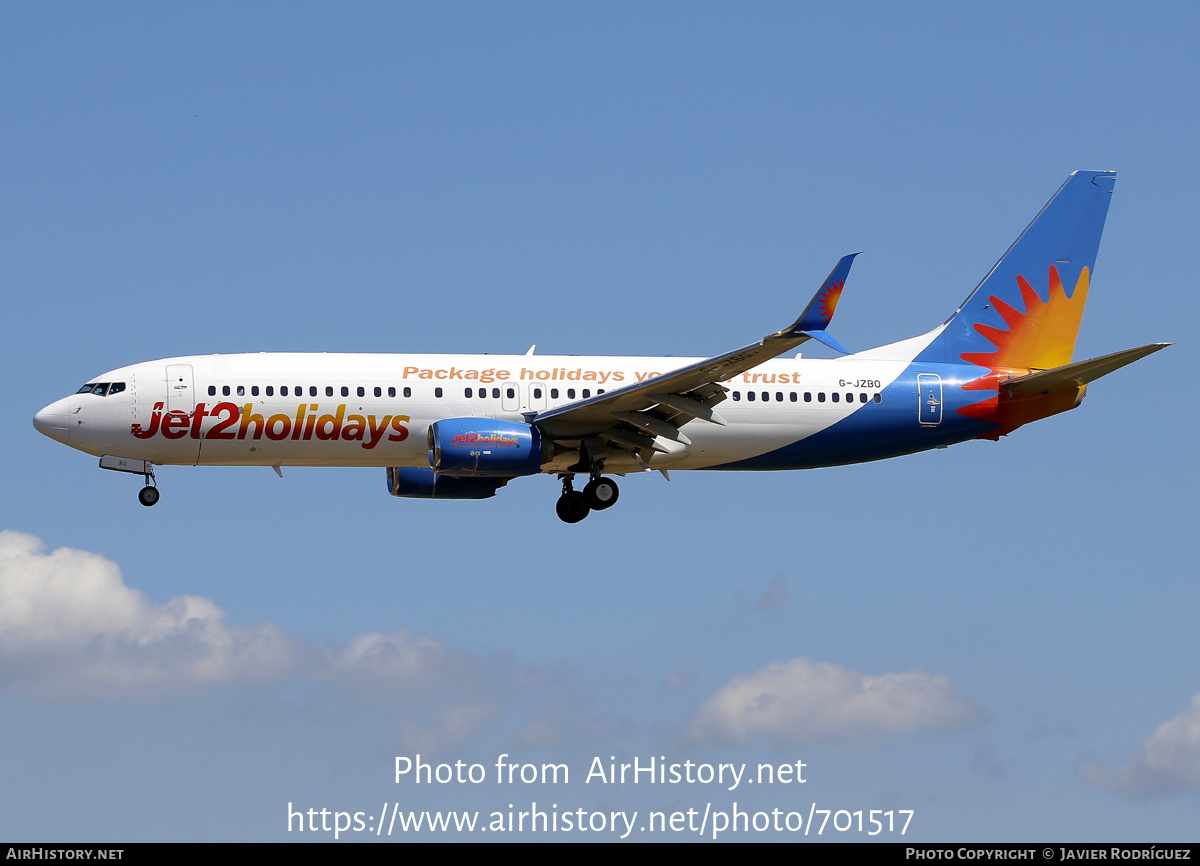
(463, 426)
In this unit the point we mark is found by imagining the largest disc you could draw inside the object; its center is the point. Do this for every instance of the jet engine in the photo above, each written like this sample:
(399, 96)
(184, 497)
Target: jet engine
(416, 483)
(485, 448)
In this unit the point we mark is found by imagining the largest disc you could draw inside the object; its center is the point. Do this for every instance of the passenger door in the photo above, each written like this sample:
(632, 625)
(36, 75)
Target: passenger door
(929, 392)
(180, 393)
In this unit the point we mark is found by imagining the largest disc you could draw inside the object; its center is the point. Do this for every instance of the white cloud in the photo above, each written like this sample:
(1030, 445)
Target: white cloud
(1167, 762)
(802, 700)
(71, 628)
(69, 625)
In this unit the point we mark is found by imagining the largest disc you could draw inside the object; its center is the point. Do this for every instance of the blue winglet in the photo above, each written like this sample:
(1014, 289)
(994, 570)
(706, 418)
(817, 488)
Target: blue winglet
(820, 309)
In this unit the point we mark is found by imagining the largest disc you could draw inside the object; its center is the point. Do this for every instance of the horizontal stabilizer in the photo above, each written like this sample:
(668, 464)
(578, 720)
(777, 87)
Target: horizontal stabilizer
(1073, 376)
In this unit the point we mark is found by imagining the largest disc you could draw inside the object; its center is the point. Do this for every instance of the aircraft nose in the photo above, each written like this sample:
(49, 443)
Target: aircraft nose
(54, 420)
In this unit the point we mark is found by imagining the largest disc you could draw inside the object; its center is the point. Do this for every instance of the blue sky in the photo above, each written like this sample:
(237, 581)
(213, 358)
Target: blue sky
(596, 179)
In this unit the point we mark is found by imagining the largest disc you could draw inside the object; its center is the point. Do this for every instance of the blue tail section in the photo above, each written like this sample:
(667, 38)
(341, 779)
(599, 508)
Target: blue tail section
(1025, 313)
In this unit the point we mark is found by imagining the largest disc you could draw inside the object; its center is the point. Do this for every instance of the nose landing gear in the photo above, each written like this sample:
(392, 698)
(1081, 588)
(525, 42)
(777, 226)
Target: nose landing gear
(148, 495)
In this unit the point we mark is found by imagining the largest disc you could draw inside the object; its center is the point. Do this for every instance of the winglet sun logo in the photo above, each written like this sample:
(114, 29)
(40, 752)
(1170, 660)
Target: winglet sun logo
(827, 299)
(1041, 338)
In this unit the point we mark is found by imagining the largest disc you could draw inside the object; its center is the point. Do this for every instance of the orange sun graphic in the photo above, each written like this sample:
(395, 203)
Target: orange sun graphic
(1041, 338)
(828, 301)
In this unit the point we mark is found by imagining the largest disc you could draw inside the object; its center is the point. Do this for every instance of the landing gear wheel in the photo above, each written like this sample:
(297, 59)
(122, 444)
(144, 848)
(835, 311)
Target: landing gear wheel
(148, 495)
(601, 493)
(572, 507)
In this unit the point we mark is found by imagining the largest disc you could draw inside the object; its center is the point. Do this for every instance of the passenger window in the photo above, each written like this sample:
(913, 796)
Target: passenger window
(241, 390)
(537, 393)
(587, 392)
(437, 392)
(283, 390)
(599, 391)
(467, 393)
(849, 397)
(212, 390)
(253, 390)
(862, 398)
(362, 392)
(570, 393)
(737, 396)
(878, 398)
(270, 390)
(836, 396)
(808, 396)
(793, 396)
(766, 396)
(300, 390)
(778, 396)
(328, 390)
(750, 396)
(511, 392)
(820, 396)
(392, 392)
(345, 391)
(553, 393)
(312, 391)
(495, 393)
(224, 390)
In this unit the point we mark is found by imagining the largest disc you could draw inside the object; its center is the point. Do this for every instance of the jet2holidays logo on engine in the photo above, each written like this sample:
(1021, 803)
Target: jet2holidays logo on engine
(500, 440)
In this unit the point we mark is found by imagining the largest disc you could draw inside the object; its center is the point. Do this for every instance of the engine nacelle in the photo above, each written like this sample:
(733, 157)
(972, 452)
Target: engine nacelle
(484, 448)
(416, 483)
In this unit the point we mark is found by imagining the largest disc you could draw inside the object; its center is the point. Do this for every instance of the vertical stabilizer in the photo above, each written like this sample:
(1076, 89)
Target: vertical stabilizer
(1025, 313)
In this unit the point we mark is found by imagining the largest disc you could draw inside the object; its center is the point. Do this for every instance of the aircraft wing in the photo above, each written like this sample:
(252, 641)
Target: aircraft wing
(633, 416)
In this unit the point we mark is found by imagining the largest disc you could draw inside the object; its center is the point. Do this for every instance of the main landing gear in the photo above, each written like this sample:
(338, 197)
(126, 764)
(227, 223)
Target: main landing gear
(598, 494)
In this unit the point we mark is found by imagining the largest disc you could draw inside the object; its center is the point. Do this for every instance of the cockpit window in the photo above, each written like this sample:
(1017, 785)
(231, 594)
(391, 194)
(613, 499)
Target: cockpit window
(101, 389)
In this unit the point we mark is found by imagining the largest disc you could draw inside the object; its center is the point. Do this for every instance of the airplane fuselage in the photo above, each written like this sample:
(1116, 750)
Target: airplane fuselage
(375, 410)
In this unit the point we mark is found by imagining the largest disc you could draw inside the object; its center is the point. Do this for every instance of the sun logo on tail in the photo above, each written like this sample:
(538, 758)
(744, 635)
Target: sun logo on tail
(1041, 338)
